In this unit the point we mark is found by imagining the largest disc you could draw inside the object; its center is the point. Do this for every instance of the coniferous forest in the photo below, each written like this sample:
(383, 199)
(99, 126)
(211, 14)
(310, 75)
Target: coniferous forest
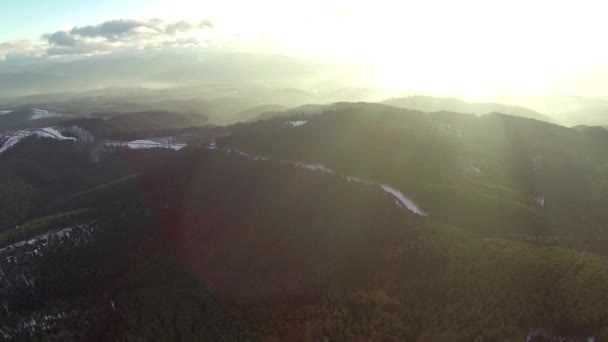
(276, 231)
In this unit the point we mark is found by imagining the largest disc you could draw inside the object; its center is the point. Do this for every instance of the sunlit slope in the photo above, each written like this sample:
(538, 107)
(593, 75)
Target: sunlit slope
(497, 175)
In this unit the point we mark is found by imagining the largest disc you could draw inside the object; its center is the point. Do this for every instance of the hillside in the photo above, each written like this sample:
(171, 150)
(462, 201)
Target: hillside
(486, 174)
(298, 229)
(303, 171)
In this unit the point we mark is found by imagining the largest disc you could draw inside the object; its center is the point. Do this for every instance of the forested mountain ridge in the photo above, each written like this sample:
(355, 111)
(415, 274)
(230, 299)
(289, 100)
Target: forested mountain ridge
(495, 174)
(225, 104)
(278, 230)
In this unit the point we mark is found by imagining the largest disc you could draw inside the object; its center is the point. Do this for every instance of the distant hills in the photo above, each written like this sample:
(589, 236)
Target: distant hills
(436, 104)
(567, 110)
(29, 116)
(225, 105)
(100, 122)
(221, 86)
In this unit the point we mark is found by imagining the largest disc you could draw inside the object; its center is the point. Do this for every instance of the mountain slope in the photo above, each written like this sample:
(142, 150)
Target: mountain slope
(280, 230)
(266, 251)
(496, 175)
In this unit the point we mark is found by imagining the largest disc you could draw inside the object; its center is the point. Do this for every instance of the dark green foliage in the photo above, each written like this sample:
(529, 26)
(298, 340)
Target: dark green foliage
(41, 177)
(208, 245)
(17, 200)
(112, 125)
(481, 174)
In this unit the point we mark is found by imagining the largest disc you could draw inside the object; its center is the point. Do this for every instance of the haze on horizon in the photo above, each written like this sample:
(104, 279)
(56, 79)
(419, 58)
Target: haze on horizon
(472, 48)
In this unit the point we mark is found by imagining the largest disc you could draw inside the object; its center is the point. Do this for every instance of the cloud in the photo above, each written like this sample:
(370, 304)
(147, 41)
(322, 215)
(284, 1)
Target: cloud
(113, 29)
(109, 37)
(124, 34)
(62, 38)
(124, 28)
(80, 48)
(185, 26)
(20, 49)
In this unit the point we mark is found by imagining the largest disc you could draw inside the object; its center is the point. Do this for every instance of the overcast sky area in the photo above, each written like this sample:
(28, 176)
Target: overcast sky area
(476, 48)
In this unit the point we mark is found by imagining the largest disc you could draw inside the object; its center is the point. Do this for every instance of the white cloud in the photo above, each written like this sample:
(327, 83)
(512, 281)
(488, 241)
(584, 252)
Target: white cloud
(111, 36)
(20, 49)
(123, 34)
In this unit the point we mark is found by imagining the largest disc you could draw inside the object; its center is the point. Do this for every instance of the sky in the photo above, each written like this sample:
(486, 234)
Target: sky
(472, 47)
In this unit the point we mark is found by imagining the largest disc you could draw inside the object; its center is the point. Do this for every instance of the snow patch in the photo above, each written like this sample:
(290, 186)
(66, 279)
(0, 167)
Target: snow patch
(80, 133)
(408, 203)
(146, 144)
(299, 123)
(14, 138)
(244, 154)
(357, 180)
(50, 132)
(42, 114)
(3, 112)
(167, 140)
(44, 239)
(314, 167)
(540, 201)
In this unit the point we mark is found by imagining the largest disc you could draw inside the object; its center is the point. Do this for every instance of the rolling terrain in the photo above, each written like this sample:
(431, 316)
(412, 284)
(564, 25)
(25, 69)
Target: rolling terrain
(359, 221)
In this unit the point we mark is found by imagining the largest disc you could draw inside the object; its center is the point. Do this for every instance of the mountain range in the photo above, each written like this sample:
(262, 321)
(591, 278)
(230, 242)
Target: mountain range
(341, 221)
